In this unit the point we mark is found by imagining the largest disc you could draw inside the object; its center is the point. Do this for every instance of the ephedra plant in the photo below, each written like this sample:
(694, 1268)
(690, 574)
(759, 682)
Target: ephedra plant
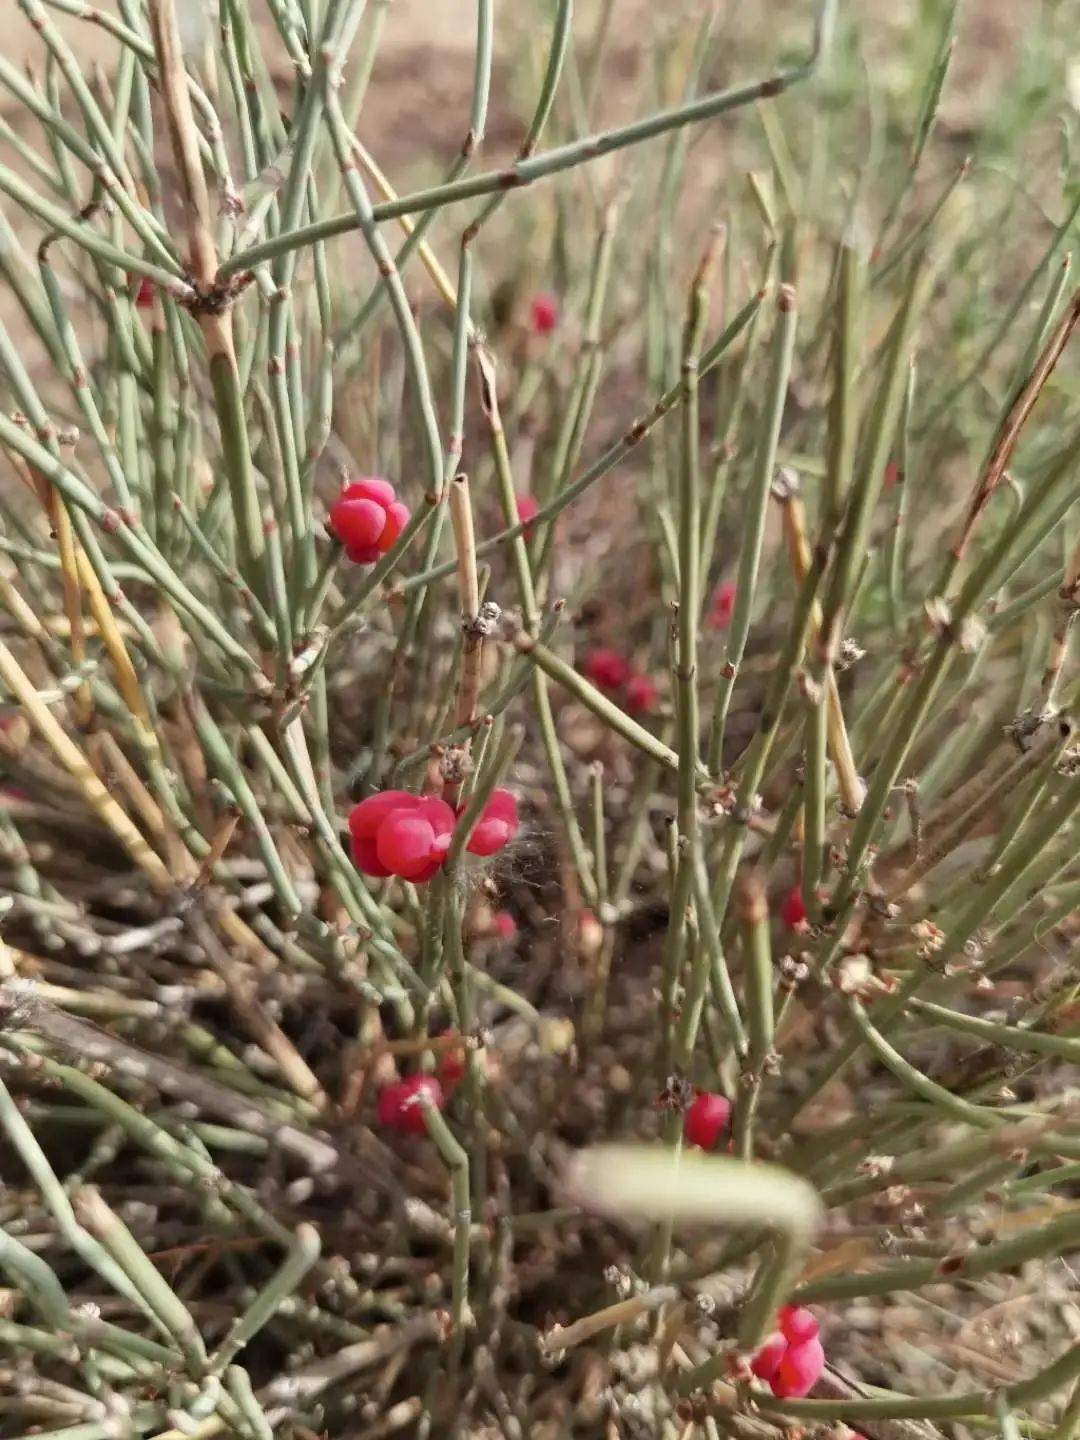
(539, 843)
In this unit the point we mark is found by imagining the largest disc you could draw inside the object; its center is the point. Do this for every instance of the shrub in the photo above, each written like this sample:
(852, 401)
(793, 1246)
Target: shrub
(364, 873)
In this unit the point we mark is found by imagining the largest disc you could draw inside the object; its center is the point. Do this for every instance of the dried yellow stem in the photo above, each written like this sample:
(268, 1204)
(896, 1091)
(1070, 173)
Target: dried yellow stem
(440, 279)
(81, 771)
(60, 523)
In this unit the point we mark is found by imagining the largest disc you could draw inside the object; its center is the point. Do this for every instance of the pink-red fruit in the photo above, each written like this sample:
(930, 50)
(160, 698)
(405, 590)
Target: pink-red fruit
(767, 1360)
(544, 313)
(400, 1105)
(527, 508)
(706, 1119)
(367, 518)
(504, 924)
(799, 1370)
(452, 1066)
(797, 1324)
(144, 295)
(791, 1359)
(497, 825)
(792, 909)
(641, 695)
(722, 606)
(395, 833)
(606, 669)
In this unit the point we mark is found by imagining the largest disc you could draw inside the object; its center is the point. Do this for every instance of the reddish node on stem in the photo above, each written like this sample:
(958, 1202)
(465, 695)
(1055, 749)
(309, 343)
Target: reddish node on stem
(706, 1119)
(367, 518)
(400, 1106)
(543, 313)
(606, 669)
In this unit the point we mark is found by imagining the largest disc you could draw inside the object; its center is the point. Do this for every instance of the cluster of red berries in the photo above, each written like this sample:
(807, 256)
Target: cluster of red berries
(609, 672)
(367, 517)
(396, 833)
(792, 1359)
(401, 1103)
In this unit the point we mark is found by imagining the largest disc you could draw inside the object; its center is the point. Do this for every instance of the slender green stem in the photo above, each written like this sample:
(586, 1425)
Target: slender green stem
(549, 162)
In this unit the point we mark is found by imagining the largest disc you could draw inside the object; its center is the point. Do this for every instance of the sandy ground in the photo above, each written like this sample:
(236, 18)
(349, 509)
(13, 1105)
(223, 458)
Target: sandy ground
(416, 113)
(422, 79)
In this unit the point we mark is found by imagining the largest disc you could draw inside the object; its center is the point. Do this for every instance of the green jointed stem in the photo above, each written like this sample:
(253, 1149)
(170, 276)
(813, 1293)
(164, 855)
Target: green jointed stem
(610, 458)
(365, 221)
(753, 532)
(301, 1256)
(301, 663)
(549, 162)
(606, 710)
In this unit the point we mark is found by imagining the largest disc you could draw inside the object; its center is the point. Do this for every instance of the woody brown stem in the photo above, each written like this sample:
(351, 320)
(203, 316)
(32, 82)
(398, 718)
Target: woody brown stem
(1011, 426)
(214, 320)
(184, 139)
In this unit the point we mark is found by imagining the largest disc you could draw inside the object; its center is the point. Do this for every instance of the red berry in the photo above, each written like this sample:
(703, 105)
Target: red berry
(144, 295)
(527, 507)
(365, 818)
(799, 1370)
(367, 518)
(722, 606)
(497, 825)
(400, 1107)
(395, 833)
(606, 669)
(544, 313)
(397, 517)
(364, 822)
(452, 1066)
(792, 909)
(767, 1360)
(797, 1324)
(404, 843)
(892, 474)
(504, 924)
(641, 695)
(706, 1119)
